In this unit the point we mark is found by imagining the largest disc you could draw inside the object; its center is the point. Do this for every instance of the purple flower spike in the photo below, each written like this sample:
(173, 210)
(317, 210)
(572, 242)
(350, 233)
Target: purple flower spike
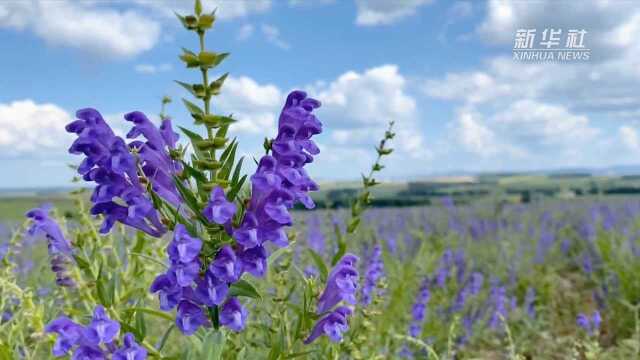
(190, 317)
(211, 291)
(233, 315)
(341, 284)
(130, 350)
(254, 261)
(183, 248)
(42, 222)
(226, 266)
(69, 334)
(219, 210)
(332, 325)
(102, 329)
(109, 163)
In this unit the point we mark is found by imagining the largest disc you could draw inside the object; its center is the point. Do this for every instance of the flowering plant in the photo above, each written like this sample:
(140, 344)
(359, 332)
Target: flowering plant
(208, 231)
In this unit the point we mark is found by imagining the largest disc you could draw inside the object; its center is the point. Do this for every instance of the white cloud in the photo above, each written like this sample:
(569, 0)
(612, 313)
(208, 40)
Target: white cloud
(151, 69)
(95, 29)
(225, 9)
(540, 125)
(629, 137)
(376, 96)
(245, 32)
(384, 12)
(272, 34)
(358, 106)
(473, 135)
(30, 128)
(253, 104)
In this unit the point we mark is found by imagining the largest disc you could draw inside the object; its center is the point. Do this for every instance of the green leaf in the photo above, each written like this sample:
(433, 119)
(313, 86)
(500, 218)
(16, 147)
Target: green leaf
(188, 87)
(215, 85)
(353, 225)
(209, 59)
(195, 138)
(101, 289)
(244, 288)
(322, 267)
(192, 108)
(213, 345)
(197, 8)
(381, 151)
(342, 246)
(227, 151)
(215, 121)
(276, 255)
(141, 326)
(194, 173)
(157, 313)
(300, 354)
(190, 59)
(236, 172)
(278, 345)
(83, 264)
(190, 199)
(206, 21)
(225, 171)
(235, 189)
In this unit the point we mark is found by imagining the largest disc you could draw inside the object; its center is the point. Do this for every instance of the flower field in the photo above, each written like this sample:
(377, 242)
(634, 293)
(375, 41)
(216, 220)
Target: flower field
(553, 280)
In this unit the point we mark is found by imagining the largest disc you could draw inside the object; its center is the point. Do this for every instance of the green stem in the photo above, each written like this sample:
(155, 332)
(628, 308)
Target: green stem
(207, 101)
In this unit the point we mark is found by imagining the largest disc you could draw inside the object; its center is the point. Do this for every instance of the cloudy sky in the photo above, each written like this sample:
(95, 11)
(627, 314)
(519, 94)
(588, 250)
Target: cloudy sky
(442, 70)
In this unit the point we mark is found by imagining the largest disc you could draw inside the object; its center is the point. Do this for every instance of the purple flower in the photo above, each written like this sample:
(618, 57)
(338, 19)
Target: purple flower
(375, 271)
(169, 292)
(254, 260)
(233, 315)
(185, 273)
(461, 265)
(280, 180)
(444, 269)
(113, 168)
(43, 223)
(88, 352)
(219, 210)
(418, 310)
(589, 324)
(333, 325)
(190, 317)
(69, 334)
(130, 350)
(247, 234)
(341, 284)
(59, 247)
(226, 266)
(102, 329)
(475, 285)
(499, 305)
(155, 161)
(183, 248)
(211, 291)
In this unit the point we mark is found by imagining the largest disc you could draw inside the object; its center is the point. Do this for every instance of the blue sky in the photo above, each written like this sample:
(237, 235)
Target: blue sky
(442, 70)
